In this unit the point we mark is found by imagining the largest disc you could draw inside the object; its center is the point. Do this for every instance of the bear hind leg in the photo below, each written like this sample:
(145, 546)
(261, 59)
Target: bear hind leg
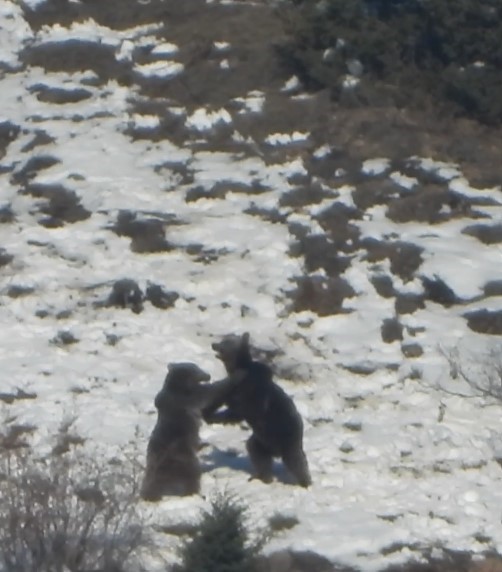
(296, 462)
(261, 459)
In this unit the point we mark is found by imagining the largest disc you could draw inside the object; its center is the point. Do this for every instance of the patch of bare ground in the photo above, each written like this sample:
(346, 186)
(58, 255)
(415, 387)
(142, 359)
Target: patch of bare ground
(322, 295)
(20, 394)
(216, 75)
(115, 14)
(73, 56)
(8, 133)
(146, 234)
(298, 561)
(292, 561)
(487, 234)
(485, 321)
(60, 96)
(5, 257)
(452, 561)
(432, 204)
(405, 257)
(6, 214)
(58, 206)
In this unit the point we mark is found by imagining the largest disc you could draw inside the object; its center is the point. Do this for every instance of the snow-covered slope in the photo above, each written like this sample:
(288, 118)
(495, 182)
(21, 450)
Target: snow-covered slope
(357, 281)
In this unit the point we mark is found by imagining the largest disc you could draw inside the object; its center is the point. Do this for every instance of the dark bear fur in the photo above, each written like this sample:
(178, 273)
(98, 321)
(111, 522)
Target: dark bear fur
(255, 398)
(172, 466)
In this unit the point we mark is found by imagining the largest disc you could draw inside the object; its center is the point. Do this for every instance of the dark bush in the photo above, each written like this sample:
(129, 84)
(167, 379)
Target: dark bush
(222, 542)
(404, 52)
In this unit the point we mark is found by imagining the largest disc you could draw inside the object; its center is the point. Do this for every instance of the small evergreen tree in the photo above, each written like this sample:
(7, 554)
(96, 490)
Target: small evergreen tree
(222, 542)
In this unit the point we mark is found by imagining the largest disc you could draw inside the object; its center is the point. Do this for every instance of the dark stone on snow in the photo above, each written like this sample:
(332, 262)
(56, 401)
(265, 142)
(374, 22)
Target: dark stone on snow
(383, 285)
(412, 350)
(61, 205)
(147, 235)
(31, 168)
(60, 96)
(485, 321)
(161, 298)
(493, 288)
(8, 133)
(5, 257)
(126, 294)
(438, 291)
(6, 214)
(16, 291)
(391, 330)
(485, 233)
(408, 303)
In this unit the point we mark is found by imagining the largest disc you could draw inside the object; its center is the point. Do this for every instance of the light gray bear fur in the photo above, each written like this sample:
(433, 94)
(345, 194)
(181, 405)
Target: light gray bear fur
(172, 465)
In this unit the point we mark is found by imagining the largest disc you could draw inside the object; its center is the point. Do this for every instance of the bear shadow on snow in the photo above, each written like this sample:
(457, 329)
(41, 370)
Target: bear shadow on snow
(240, 462)
(253, 397)
(172, 465)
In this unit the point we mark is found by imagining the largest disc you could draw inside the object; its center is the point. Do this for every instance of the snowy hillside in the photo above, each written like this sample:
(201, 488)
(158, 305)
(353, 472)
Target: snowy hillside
(140, 143)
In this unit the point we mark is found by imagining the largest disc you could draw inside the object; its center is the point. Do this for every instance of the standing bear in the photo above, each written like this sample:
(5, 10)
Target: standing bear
(172, 465)
(277, 427)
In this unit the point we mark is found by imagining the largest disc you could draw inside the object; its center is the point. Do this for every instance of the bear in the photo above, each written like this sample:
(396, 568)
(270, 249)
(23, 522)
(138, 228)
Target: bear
(277, 427)
(172, 465)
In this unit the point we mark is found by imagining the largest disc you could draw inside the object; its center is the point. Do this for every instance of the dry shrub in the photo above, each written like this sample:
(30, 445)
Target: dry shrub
(67, 512)
(481, 372)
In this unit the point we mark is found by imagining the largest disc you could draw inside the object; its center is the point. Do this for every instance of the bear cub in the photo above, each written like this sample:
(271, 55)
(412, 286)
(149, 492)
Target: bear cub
(277, 427)
(172, 465)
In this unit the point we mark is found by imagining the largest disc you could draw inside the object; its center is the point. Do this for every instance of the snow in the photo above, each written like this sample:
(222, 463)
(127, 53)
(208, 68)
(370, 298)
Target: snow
(167, 48)
(161, 68)
(204, 120)
(286, 138)
(375, 166)
(403, 476)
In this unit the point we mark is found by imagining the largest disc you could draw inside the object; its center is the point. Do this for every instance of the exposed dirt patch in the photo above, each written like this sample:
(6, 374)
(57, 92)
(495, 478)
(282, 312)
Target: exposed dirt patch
(408, 303)
(72, 56)
(319, 252)
(5, 257)
(336, 221)
(60, 96)
(487, 234)
(6, 214)
(383, 285)
(161, 298)
(146, 234)
(432, 204)
(391, 330)
(438, 291)
(18, 396)
(370, 192)
(40, 138)
(32, 167)
(60, 206)
(321, 295)
(17, 291)
(8, 133)
(493, 288)
(405, 257)
(126, 294)
(291, 561)
(304, 196)
(116, 14)
(485, 322)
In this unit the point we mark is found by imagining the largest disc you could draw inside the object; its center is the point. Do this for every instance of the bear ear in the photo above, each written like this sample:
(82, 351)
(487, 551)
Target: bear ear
(245, 340)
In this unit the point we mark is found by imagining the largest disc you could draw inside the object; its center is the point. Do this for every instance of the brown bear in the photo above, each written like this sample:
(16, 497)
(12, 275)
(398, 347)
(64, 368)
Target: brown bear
(172, 466)
(255, 398)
